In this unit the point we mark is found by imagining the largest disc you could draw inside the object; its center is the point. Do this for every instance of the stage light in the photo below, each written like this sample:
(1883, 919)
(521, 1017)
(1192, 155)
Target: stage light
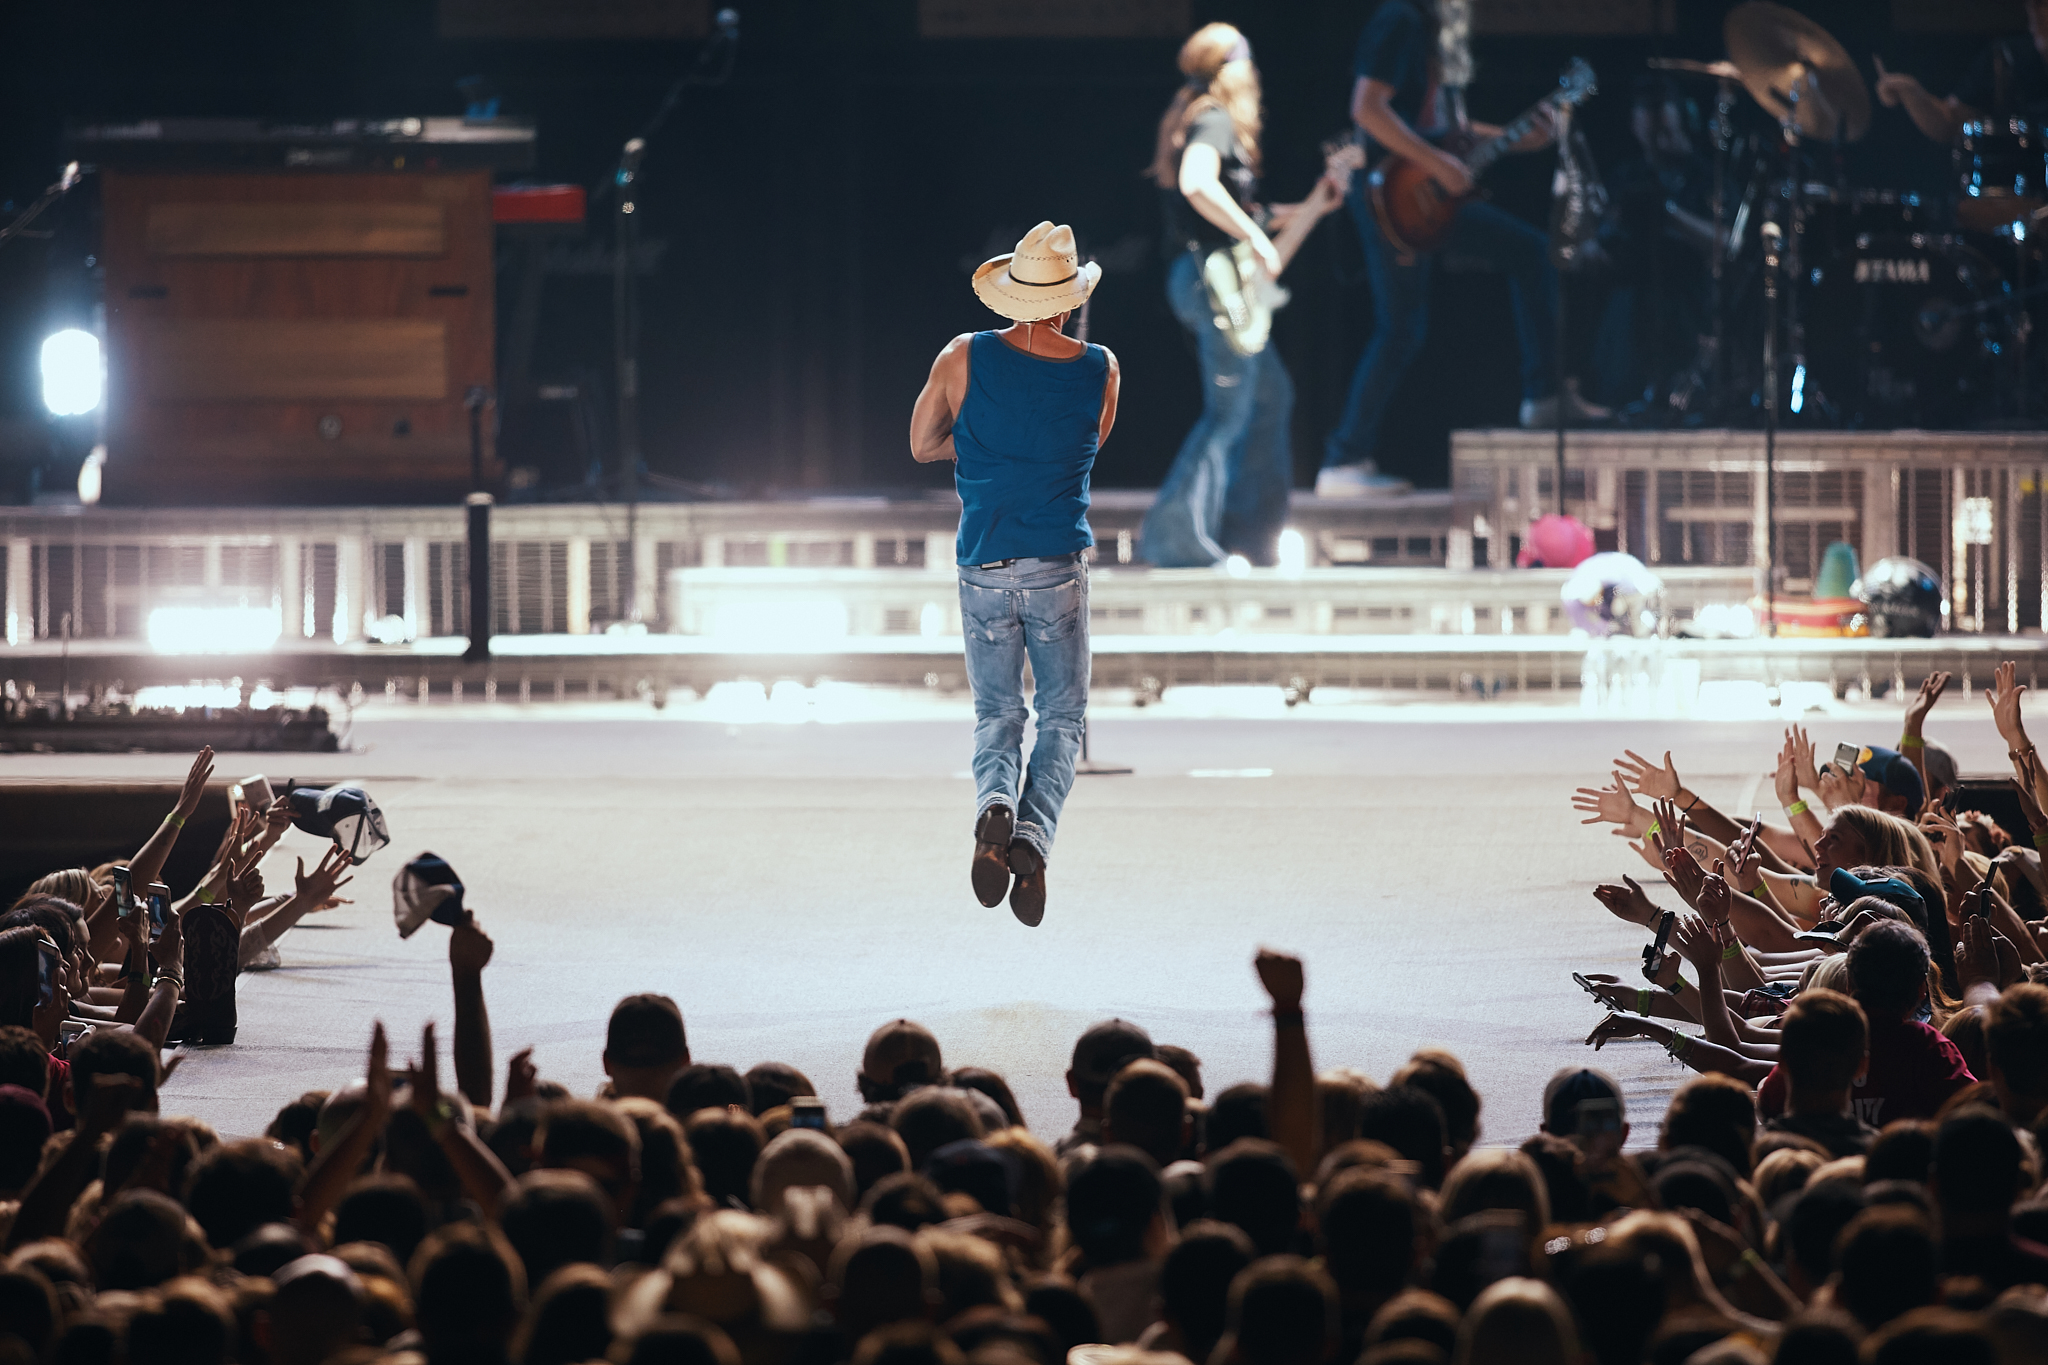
(931, 620)
(73, 377)
(1237, 566)
(90, 476)
(214, 630)
(1293, 551)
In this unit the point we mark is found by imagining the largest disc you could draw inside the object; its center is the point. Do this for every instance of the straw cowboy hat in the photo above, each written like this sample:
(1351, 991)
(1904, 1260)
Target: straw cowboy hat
(1040, 278)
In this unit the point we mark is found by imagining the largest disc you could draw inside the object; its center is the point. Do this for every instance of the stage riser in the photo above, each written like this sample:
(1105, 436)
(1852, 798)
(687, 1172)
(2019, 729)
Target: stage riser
(648, 668)
(1183, 602)
(1698, 497)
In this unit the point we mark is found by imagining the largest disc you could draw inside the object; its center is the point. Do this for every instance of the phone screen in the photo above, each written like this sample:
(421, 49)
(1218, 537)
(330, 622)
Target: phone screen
(123, 903)
(46, 973)
(807, 1112)
(159, 909)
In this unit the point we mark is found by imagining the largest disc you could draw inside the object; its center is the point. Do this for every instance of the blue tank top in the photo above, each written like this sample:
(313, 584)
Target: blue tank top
(1025, 441)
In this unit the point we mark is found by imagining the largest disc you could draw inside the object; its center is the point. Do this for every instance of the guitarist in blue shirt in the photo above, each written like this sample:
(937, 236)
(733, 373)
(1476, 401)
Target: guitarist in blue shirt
(1407, 94)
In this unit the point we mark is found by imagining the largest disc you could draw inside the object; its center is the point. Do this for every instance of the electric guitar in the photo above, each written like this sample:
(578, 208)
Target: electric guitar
(1242, 296)
(1416, 213)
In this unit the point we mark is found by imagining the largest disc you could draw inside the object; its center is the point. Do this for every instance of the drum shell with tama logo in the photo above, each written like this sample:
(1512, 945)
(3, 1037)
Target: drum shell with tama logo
(1909, 329)
(2001, 169)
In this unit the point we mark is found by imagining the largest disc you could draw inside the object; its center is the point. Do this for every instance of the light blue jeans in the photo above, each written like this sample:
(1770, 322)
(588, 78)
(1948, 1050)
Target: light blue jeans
(1035, 609)
(1227, 490)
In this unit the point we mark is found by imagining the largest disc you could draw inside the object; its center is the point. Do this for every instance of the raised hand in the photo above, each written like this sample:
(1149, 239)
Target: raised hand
(1931, 688)
(324, 880)
(1612, 805)
(1670, 833)
(1716, 898)
(1985, 957)
(469, 947)
(1837, 790)
(1803, 758)
(1626, 902)
(377, 1083)
(1657, 783)
(1685, 875)
(1281, 975)
(424, 1079)
(1785, 778)
(1947, 839)
(1617, 1025)
(195, 783)
(522, 1077)
(2004, 696)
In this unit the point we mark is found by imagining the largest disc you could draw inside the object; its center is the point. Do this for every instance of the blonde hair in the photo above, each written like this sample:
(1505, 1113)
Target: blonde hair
(1889, 841)
(73, 884)
(1517, 1321)
(1214, 81)
(1454, 42)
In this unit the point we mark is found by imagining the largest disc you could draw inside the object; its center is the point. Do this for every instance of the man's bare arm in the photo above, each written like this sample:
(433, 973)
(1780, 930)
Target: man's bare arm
(931, 420)
(1110, 388)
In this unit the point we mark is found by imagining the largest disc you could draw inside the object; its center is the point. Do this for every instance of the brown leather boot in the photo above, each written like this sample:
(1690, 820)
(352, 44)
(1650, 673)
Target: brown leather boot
(1027, 897)
(991, 867)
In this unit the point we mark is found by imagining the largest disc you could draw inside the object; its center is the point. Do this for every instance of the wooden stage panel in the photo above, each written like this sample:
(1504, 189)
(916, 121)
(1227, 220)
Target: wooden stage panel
(294, 360)
(328, 228)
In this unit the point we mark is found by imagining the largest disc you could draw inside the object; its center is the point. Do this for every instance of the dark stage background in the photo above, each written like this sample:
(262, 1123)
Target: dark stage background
(820, 213)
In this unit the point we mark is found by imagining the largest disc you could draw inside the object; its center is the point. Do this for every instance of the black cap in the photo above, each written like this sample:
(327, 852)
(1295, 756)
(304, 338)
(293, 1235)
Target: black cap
(1569, 1089)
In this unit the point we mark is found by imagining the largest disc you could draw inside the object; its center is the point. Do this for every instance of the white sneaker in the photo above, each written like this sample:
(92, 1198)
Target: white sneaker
(1538, 413)
(1356, 481)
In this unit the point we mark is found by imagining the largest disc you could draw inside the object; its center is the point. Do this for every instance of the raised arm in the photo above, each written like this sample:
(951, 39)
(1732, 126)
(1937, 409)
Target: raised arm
(148, 862)
(931, 418)
(336, 1164)
(1912, 742)
(469, 952)
(1291, 1102)
(1112, 386)
(1937, 119)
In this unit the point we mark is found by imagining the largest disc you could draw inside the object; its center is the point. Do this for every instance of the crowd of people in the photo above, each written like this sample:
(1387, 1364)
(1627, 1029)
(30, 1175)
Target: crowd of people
(1852, 1176)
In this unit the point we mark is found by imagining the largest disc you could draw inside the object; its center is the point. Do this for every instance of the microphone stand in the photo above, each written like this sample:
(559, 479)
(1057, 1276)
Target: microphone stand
(1087, 766)
(714, 65)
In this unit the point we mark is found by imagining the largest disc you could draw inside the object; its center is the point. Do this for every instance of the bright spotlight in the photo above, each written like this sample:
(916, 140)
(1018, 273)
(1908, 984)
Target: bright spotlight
(1293, 551)
(1237, 566)
(90, 476)
(214, 630)
(781, 623)
(72, 375)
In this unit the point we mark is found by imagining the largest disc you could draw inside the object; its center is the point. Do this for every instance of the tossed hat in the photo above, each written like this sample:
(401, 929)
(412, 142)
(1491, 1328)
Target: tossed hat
(1043, 276)
(425, 889)
(1103, 1050)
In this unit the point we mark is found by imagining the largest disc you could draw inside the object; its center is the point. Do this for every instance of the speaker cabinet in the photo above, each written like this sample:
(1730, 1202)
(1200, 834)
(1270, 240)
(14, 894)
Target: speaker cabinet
(293, 337)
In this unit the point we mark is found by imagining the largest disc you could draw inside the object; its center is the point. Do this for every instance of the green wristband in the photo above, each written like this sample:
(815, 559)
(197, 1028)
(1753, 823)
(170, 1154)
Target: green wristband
(1642, 1000)
(1797, 809)
(1912, 742)
(2041, 840)
(175, 820)
(1731, 952)
(1651, 832)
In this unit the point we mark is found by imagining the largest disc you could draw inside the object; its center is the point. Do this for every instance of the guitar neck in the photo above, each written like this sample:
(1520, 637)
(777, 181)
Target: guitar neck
(1482, 157)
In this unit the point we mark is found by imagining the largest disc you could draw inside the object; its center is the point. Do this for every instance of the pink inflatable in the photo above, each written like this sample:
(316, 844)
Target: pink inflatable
(1556, 542)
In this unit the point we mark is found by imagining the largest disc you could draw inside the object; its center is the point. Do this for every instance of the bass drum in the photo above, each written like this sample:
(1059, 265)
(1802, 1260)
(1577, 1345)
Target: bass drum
(1909, 331)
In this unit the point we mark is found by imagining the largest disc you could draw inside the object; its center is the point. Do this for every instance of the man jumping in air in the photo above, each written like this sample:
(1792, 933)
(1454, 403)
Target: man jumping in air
(1022, 411)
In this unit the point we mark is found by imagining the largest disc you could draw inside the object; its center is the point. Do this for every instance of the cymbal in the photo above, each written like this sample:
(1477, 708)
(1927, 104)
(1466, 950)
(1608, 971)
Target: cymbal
(1779, 50)
(1726, 70)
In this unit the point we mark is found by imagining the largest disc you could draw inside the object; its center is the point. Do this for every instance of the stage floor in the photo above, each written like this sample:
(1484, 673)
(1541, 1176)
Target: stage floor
(793, 886)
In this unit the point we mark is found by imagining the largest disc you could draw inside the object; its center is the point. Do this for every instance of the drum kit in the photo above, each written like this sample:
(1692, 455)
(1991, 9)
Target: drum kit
(1839, 305)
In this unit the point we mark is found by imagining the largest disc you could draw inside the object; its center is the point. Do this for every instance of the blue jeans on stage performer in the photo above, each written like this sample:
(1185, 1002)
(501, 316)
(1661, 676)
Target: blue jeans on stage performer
(1228, 488)
(1400, 317)
(1035, 610)
(1021, 412)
